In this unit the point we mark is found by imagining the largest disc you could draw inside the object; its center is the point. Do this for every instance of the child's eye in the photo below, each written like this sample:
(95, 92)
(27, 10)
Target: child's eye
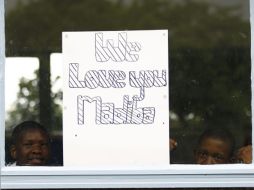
(44, 144)
(202, 153)
(218, 157)
(27, 144)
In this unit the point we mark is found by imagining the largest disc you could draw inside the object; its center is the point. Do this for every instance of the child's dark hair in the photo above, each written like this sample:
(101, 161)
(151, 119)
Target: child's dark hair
(25, 126)
(221, 134)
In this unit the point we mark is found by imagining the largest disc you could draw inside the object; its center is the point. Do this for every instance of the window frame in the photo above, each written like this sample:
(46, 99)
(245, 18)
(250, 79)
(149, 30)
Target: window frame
(66, 177)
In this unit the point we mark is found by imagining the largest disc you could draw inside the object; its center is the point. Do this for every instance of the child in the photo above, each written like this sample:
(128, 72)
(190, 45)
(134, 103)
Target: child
(244, 155)
(30, 144)
(172, 144)
(215, 146)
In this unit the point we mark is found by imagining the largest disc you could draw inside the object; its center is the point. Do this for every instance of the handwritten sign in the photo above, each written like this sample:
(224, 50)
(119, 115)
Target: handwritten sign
(115, 97)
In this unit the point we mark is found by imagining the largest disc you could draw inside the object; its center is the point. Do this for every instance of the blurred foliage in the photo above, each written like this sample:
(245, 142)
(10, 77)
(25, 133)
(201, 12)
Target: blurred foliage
(26, 107)
(192, 24)
(209, 50)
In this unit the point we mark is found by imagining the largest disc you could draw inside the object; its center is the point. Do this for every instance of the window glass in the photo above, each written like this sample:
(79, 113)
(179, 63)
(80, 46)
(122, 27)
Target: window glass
(209, 69)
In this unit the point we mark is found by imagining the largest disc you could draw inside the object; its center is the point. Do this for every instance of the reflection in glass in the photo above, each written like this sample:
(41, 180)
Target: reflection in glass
(209, 60)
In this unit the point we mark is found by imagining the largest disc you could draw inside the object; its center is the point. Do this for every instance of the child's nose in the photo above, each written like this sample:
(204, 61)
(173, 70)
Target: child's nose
(209, 160)
(36, 149)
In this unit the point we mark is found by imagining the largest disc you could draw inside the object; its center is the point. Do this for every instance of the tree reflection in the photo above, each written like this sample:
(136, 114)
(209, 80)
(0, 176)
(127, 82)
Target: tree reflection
(209, 53)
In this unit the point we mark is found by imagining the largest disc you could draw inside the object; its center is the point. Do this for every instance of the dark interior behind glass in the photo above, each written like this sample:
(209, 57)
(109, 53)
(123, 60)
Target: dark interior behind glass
(209, 61)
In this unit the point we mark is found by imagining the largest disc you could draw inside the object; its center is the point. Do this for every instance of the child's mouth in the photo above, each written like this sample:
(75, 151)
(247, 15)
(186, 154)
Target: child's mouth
(36, 161)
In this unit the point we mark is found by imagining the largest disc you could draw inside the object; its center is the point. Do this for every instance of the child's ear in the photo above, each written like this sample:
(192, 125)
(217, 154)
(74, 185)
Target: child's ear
(13, 152)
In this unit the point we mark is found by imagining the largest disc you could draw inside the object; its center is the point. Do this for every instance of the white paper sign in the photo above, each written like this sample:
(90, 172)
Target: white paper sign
(115, 96)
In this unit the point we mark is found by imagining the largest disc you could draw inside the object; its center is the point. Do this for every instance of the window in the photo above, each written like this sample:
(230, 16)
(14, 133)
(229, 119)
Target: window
(209, 87)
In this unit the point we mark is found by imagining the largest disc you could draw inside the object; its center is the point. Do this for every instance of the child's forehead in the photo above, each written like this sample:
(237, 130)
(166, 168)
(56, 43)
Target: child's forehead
(212, 139)
(32, 130)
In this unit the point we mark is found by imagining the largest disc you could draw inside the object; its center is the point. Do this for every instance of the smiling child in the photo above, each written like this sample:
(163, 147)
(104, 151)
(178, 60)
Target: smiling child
(30, 144)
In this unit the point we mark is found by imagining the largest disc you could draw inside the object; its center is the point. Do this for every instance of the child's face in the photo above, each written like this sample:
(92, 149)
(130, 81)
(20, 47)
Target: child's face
(212, 151)
(32, 148)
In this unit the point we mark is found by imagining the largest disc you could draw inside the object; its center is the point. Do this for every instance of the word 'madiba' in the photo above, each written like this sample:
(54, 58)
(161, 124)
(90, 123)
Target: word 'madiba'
(107, 113)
